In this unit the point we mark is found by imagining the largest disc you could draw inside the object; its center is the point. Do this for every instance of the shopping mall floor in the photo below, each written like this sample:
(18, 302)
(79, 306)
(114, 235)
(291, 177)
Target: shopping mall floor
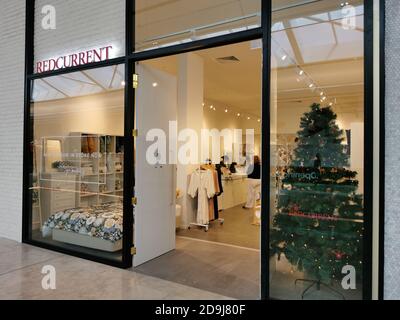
(21, 278)
(221, 268)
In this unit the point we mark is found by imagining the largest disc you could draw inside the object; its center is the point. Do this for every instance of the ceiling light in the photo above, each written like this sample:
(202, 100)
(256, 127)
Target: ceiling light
(204, 104)
(311, 85)
(284, 57)
(301, 72)
(155, 84)
(238, 114)
(323, 98)
(215, 109)
(211, 107)
(123, 83)
(248, 118)
(226, 110)
(259, 120)
(322, 93)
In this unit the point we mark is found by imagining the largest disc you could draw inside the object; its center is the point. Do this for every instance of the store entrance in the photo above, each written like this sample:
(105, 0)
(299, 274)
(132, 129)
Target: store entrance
(198, 171)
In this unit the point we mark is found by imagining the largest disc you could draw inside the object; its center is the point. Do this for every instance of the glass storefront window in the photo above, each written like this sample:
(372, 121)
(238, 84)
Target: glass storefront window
(78, 161)
(317, 141)
(165, 23)
(77, 32)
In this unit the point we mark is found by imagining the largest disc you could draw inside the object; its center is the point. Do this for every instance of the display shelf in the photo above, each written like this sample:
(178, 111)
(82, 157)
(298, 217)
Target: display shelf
(94, 158)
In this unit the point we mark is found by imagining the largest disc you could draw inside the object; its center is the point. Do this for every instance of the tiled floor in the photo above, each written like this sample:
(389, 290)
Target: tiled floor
(237, 230)
(223, 269)
(21, 278)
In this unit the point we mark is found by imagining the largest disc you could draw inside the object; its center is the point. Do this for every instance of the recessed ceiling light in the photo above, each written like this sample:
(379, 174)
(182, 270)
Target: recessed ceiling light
(155, 84)
(248, 118)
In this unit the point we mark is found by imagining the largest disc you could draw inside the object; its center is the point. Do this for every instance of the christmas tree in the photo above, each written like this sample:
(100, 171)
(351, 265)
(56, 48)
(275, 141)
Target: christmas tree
(319, 220)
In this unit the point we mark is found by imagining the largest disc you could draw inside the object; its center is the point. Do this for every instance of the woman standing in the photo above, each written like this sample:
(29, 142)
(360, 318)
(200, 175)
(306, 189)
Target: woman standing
(254, 183)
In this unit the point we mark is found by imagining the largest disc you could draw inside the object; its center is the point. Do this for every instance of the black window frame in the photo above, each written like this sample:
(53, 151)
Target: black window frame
(263, 33)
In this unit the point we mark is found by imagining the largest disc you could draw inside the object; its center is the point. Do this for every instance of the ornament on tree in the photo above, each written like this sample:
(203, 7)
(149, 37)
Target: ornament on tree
(339, 255)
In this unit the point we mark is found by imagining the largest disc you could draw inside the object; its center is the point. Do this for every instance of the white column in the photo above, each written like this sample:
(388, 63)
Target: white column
(190, 115)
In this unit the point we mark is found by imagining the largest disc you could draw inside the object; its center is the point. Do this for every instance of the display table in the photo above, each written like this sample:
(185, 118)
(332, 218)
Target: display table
(235, 191)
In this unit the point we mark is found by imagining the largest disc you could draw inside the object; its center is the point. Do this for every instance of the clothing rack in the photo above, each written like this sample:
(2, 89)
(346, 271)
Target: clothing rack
(205, 226)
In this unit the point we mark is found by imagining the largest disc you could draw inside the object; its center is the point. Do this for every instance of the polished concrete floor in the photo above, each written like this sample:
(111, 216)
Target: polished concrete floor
(77, 279)
(238, 229)
(223, 269)
(283, 285)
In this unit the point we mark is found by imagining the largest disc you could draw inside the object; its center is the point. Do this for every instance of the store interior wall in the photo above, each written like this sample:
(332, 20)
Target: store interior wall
(392, 137)
(12, 58)
(96, 114)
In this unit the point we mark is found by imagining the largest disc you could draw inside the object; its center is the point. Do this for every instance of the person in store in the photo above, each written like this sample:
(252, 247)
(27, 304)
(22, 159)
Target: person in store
(254, 183)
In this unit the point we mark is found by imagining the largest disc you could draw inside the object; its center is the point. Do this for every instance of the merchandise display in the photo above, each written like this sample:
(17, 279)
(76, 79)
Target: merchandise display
(101, 221)
(206, 184)
(82, 199)
(202, 185)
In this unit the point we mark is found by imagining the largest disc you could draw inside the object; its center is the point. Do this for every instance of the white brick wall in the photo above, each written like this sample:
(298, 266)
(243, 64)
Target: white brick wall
(81, 25)
(392, 176)
(12, 49)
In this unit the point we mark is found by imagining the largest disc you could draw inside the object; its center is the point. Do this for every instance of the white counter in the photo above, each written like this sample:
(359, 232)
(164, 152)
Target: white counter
(235, 191)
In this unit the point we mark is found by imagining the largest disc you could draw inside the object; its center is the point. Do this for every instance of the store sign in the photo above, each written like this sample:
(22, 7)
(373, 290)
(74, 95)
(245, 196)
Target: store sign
(74, 59)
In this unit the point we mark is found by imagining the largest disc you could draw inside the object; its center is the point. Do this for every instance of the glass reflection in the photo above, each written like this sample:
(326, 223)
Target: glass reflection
(78, 153)
(317, 143)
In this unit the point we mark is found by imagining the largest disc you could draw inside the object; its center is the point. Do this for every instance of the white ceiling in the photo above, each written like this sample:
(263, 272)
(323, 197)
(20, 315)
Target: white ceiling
(79, 83)
(165, 22)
